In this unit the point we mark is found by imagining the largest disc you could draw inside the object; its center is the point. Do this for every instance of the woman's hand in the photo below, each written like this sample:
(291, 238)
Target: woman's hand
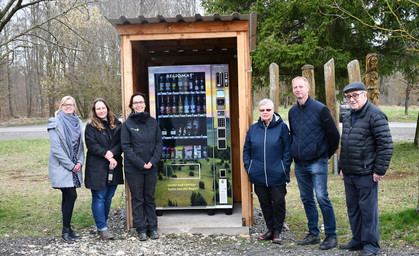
(109, 155)
(148, 165)
(77, 167)
(112, 163)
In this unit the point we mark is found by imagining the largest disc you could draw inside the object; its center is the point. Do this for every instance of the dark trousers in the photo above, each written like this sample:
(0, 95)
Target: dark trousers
(69, 196)
(142, 187)
(272, 202)
(362, 203)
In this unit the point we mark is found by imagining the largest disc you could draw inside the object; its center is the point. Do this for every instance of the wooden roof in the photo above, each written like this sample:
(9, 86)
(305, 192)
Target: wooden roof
(216, 17)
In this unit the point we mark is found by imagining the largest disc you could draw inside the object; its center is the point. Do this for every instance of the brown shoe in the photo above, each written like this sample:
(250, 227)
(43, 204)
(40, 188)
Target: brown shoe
(106, 234)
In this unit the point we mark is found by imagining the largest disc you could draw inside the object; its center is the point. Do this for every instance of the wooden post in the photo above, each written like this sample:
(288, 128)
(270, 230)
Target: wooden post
(329, 79)
(308, 72)
(371, 78)
(274, 84)
(354, 72)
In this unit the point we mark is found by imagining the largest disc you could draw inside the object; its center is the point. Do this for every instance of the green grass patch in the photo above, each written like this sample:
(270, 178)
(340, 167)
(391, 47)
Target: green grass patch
(402, 225)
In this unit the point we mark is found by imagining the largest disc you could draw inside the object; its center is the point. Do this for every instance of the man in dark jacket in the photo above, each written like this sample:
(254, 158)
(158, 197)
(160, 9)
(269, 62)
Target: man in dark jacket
(366, 151)
(315, 139)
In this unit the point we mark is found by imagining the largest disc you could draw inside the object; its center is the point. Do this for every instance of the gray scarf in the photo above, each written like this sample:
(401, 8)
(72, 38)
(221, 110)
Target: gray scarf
(72, 131)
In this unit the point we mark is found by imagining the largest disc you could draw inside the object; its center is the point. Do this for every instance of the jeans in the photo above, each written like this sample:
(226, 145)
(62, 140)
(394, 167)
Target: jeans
(313, 177)
(272, 202)
(101, 205)
(142, 187)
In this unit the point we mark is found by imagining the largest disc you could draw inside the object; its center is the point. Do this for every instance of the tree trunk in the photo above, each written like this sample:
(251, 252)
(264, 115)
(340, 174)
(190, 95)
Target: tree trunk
(416, 141)
(406, 100)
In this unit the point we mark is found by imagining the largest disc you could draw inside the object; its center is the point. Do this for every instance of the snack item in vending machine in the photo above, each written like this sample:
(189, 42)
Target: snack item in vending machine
(179, 152)
(188, 152)
(197, 151)
(204, 151)
(172, 152)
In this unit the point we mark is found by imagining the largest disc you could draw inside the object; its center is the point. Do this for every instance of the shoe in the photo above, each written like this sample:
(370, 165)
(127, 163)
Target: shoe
(350, 247)
(366, 253)
(154, 235)
(277, 237)
(106, 234)
(267, 236)
(66, 236)
(310, 239)
(142, 236)
(329, 243)
(74, 234)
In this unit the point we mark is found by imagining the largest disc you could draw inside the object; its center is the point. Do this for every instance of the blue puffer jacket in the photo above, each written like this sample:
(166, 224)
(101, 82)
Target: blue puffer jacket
(266, 153)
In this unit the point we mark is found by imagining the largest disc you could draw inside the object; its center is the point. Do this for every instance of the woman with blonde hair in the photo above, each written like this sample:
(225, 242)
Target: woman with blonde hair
(66, 159)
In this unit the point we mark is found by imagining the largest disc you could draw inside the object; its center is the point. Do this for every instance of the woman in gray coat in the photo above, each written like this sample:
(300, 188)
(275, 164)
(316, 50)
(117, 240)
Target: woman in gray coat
(65, 160)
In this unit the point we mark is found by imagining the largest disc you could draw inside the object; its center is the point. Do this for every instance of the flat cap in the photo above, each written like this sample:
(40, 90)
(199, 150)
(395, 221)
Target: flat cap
(356, 86)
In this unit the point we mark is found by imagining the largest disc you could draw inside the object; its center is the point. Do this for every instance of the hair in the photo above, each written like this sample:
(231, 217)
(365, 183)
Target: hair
(132, 99)
(267, 102)
(302, 78)
(63, 100)
(95, 121)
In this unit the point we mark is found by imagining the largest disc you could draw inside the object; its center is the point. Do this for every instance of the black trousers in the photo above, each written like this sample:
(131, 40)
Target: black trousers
(69, 196)
(272, 202)
(142, 187)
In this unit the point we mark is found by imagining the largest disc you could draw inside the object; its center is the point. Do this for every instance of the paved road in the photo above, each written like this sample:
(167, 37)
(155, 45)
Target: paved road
(401, 132)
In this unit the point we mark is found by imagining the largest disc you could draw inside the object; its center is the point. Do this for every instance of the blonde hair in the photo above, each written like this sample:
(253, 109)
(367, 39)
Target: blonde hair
(63, 100)
(302, 78)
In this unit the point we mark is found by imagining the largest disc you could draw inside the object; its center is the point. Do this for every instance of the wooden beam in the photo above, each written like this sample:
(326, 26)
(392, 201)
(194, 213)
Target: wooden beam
(182, 27)
(181, 36)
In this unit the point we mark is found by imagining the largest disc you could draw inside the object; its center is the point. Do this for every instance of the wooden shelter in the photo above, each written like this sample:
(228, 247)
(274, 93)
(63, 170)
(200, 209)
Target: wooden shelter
(216, 39)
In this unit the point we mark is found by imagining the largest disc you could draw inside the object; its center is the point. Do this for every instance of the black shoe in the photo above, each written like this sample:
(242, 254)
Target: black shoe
(66, 236)
(329, 243)
(350, 247)
(277, 237)
(366, 253)
(142, 236)
(310, 239)
(153, 234)
(74, 234)
(267, 236)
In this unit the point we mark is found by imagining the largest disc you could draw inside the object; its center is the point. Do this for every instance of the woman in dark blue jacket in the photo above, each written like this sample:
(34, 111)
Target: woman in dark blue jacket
(267, 160)
(142, 146)
(103, 142)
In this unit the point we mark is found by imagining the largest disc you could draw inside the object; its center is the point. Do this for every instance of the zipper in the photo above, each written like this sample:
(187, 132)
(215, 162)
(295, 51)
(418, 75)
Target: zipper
(299, 134)
(264, 155)
(250, 165)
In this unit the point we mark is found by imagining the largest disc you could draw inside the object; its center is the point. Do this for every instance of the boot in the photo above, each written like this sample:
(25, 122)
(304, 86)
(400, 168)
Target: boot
(74, 234)
(66, 236)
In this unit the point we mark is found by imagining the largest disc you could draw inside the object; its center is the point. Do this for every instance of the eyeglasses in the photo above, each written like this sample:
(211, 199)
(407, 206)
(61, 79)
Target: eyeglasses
(68, 105)
(138, 102)
(265, 110)
(354, 96)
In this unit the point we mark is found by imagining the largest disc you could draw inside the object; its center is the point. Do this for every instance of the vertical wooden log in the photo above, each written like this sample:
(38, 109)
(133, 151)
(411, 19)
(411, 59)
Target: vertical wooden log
(274, 84)
(308, 72)
(329, 78)
(354, 72)
(371, 78)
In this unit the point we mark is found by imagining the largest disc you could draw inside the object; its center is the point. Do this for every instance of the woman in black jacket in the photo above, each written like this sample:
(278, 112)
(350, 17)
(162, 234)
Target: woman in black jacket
(142, 146)
(104, 162)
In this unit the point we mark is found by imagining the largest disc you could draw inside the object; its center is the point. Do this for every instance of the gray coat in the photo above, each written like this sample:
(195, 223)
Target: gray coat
(59, 161)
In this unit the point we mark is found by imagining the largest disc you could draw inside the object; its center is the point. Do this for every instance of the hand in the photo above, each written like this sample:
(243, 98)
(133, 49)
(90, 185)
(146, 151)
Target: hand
(109, 154)
(377, 177)
(148, 165)
(77, 167)
(341, 175)
(112, 163)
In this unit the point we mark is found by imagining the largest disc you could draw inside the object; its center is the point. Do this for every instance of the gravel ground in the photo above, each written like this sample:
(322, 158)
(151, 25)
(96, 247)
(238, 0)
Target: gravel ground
(127, 243)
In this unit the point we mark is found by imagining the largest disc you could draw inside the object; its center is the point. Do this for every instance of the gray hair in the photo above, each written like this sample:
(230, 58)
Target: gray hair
(266, 102)
(301, 78)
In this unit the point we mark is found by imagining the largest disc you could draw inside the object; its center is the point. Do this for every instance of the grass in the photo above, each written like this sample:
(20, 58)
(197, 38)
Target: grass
(394, 113)
(30, 207)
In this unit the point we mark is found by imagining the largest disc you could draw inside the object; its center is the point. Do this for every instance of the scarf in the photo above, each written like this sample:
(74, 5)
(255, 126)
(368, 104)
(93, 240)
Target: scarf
(72, 132)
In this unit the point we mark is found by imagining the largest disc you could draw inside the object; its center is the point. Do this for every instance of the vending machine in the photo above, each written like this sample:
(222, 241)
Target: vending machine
(191, 105)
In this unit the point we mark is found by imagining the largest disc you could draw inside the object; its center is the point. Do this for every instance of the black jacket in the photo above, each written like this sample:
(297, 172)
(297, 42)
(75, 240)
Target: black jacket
(97, 166)
(141, 142)
(367, 145)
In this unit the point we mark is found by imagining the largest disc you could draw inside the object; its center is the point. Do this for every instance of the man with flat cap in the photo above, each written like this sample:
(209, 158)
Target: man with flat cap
(366, 150)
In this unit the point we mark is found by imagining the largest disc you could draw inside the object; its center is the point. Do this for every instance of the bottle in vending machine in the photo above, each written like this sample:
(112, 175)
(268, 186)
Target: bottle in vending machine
(190, 84)
(195, 127)
(202, 83)
(168, 106)
(164, 132)
(162, 108)
(161, 83)
(192, 106)
(168, 84)
(196, 83)
(174, 106)
(173, 132)
(198, 104)
(185, 84)
(180, 83)
(174, 84)
(186, 106)
(180, 105)
(204, 105)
